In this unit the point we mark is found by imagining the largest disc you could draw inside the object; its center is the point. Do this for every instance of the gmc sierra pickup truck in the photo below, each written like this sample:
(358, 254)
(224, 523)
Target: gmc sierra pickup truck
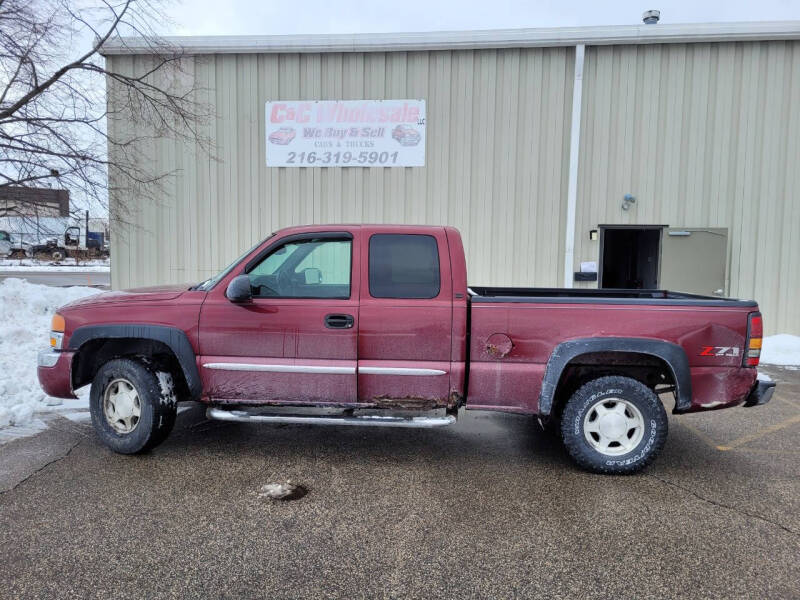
(352, 319)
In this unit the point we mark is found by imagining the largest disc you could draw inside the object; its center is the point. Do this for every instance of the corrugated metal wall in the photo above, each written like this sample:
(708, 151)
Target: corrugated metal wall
(498, 141)
(701, 135)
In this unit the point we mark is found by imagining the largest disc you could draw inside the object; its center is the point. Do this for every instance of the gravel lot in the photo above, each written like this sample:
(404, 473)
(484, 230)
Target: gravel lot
(490, 507)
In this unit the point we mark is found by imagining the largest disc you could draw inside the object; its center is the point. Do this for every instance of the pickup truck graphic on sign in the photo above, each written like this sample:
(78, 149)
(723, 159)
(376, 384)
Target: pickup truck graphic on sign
(282, 136)
(406, 135)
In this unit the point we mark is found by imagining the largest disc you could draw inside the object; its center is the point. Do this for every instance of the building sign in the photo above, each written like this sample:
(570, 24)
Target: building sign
(346, 133)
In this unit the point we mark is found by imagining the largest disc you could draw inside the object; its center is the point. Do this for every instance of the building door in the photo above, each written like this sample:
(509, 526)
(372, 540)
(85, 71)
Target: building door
(694, 260)
(629, 256)
(682, 259)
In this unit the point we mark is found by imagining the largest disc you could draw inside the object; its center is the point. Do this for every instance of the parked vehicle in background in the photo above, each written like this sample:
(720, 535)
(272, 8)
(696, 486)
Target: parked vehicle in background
(74, 244)
(406, 135)
(367, 318)
(282, 136)
(84, 243)
(56, 238)
(49, 249)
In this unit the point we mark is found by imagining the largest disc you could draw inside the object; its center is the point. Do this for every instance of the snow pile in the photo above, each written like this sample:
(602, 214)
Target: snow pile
(782, 349)
(25, 313)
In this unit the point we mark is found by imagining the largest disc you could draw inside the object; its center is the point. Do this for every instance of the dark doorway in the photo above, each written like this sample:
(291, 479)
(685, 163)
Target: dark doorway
(629, 257)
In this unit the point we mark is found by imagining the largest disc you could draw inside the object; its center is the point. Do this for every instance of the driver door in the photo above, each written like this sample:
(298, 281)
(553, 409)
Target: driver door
(295, 343)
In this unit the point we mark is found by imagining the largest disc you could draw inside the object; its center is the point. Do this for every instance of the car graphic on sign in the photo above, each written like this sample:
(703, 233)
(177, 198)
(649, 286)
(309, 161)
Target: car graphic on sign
(282, 136)
(406, 135)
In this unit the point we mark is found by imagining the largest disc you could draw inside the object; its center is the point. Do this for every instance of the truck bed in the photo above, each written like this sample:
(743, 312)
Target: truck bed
(480, 294)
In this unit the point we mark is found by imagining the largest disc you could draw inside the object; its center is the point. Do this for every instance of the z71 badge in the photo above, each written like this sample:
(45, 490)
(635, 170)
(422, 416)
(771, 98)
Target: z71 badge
(720, 351)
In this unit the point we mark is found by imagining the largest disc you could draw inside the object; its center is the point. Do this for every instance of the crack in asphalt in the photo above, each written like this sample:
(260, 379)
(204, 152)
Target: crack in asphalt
(44, 466)
(734, 509)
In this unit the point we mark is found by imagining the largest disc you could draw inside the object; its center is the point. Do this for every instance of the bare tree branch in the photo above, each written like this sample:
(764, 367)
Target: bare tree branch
(57, 125)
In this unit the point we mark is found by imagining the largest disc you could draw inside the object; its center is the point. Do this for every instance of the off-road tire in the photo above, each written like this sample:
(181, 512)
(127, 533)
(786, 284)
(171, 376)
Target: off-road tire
(158, 406)
(632, 391)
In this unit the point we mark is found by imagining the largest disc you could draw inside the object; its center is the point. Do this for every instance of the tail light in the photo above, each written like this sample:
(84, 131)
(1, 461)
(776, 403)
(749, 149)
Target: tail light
(755, 331)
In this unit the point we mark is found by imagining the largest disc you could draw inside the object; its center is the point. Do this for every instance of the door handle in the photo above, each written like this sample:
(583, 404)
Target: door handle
(339, 321)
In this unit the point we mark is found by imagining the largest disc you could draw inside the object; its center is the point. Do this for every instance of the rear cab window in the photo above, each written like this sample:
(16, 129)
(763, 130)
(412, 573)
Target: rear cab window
(403, 266)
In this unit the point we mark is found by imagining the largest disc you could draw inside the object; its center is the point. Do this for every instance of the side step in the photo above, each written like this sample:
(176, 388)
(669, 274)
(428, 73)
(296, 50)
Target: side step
(242, 416)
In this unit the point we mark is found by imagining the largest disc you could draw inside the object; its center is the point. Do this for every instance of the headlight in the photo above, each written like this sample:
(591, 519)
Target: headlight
(57, 332)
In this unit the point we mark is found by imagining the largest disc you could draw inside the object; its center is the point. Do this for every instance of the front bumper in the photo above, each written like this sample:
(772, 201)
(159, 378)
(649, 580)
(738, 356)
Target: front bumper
(760, 394)
(55, 373)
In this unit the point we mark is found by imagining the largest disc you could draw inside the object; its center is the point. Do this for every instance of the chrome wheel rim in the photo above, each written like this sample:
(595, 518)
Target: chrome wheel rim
(613, 426)
(121, 406)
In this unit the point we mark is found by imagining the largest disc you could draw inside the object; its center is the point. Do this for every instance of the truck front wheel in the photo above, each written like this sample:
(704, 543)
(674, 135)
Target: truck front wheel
(614, 425)
(133, 408)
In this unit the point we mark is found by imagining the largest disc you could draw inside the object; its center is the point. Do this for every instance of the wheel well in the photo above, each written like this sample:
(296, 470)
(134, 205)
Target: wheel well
(95, 353)
(647, 368)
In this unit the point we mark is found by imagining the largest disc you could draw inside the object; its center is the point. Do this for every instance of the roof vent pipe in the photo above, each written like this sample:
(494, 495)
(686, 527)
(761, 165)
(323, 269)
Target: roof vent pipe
(651, 17)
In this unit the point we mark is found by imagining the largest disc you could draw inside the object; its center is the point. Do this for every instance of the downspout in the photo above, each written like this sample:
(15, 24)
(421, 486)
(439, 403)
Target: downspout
(572, 181)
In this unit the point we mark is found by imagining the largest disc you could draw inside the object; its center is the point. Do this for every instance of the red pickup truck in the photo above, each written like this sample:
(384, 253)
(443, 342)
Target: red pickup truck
(353, 318)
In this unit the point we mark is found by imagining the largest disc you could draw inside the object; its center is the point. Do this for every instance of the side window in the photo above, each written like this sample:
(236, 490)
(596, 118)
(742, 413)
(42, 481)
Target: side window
(403, 266)
(314, 268)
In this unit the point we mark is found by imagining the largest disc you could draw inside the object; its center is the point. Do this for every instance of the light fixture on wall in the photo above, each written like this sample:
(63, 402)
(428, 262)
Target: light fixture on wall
(627, 200)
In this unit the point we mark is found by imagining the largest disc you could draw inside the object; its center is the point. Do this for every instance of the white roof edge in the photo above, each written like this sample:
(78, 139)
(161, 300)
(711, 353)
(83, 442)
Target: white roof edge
(462, 40)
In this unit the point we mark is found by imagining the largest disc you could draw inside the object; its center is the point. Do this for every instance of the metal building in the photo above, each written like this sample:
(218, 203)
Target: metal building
(649, 156)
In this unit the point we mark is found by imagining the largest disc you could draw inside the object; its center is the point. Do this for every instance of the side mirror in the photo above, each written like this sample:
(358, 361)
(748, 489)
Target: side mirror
(239, 290)
(313, 276)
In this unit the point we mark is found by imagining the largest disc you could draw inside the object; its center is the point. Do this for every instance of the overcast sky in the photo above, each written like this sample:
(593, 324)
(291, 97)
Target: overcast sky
(253, 17)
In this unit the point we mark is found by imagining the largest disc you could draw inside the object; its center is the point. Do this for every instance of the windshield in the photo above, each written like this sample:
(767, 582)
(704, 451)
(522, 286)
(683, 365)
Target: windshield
(206, 285)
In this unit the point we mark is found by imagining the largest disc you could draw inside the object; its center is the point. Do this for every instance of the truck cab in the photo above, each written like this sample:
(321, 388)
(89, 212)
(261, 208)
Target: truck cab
(359, 316)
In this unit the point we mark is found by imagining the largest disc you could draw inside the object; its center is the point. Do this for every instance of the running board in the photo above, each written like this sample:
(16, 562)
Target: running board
(361, 420)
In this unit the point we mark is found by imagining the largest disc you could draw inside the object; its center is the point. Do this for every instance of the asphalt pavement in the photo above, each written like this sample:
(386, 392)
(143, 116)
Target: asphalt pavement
(53, 276)
(488, 508)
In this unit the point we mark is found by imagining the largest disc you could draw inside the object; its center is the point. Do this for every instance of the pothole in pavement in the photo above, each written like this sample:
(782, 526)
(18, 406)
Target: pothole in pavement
(282, 491)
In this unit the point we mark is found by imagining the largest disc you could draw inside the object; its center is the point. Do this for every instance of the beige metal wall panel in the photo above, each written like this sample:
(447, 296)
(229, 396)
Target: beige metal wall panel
(496, 162)
(703, 135)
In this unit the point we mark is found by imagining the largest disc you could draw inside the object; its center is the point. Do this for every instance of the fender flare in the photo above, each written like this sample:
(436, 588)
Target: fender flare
(670, 353)
(174, 338)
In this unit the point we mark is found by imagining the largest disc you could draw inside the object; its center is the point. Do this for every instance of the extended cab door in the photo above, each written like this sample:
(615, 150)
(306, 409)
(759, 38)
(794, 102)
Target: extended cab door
(405, 321)
(296, 341)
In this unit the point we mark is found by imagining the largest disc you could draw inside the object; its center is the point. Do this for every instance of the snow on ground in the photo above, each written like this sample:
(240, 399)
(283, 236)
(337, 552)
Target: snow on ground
(25, 313)
(68, 265)
(782, 349)
(55, 269)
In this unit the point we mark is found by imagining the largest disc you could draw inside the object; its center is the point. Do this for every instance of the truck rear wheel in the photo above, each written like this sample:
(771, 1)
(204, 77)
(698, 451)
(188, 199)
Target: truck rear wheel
(133, 408)
(614, 425)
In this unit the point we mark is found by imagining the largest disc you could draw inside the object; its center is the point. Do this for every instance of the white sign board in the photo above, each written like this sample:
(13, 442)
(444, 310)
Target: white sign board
(346, 133)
